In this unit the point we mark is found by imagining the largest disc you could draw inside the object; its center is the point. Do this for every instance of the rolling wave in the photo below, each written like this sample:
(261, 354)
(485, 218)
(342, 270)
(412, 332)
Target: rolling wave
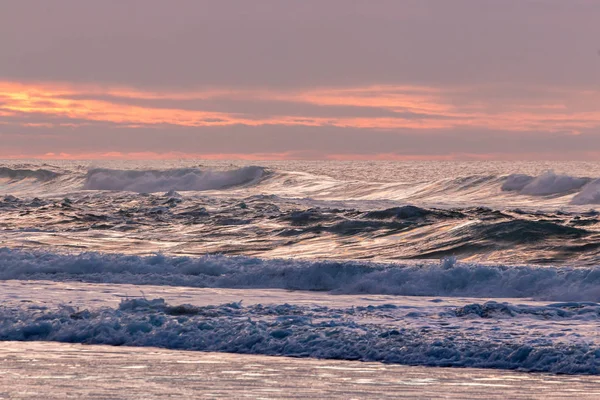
(546, 184)
(448, 278)
(183, 179)
(545, 191)
(42, 175)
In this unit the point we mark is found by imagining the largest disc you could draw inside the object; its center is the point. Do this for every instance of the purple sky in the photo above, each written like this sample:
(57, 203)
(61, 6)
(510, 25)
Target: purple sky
(311, 78)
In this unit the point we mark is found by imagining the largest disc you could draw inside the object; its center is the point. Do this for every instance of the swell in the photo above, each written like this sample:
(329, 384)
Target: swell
(546, 191)
(269, 226)
(23, 181)
(448, 278)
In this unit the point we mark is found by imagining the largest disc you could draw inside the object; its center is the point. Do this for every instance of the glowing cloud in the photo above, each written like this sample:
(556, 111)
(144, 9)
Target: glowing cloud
(405, 107)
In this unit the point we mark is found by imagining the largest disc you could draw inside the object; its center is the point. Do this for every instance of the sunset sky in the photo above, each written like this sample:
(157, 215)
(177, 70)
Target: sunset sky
(314, 79)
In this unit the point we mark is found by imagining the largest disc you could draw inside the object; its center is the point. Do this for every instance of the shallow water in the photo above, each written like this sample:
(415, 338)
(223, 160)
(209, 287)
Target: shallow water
(435, 331)
(61, 371)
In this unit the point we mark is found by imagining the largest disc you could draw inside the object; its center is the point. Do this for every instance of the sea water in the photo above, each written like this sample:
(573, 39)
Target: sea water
(455, 264)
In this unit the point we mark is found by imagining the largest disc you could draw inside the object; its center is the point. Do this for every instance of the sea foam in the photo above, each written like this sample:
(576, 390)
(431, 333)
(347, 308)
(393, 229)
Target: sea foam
(448, 278)
(388, 334)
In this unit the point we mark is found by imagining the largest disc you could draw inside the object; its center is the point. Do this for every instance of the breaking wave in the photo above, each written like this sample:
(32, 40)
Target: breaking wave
(493, 189)
(176, 179)
(447, 278)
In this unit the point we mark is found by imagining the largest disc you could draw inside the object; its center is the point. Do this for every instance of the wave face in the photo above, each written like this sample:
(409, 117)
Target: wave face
(20, 174)
(447, 278)
(35, 181)
(184, 179)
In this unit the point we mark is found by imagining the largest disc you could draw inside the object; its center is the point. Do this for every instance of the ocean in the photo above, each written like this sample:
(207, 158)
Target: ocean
(490, 265)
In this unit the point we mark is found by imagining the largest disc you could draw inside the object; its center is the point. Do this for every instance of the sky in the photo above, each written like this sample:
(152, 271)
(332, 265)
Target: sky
(300, 79)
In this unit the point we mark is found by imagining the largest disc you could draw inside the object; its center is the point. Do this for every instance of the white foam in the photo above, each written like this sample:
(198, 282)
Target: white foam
(440, 336)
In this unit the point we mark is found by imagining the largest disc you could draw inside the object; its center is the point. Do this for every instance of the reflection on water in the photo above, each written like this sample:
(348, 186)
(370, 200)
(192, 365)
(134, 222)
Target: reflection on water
(58, 371)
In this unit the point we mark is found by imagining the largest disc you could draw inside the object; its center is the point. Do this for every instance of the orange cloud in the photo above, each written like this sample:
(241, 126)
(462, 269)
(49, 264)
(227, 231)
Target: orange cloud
(407, 107)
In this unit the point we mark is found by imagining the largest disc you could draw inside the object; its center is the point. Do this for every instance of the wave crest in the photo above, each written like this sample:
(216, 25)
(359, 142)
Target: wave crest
(182, 179)
(546, 184)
